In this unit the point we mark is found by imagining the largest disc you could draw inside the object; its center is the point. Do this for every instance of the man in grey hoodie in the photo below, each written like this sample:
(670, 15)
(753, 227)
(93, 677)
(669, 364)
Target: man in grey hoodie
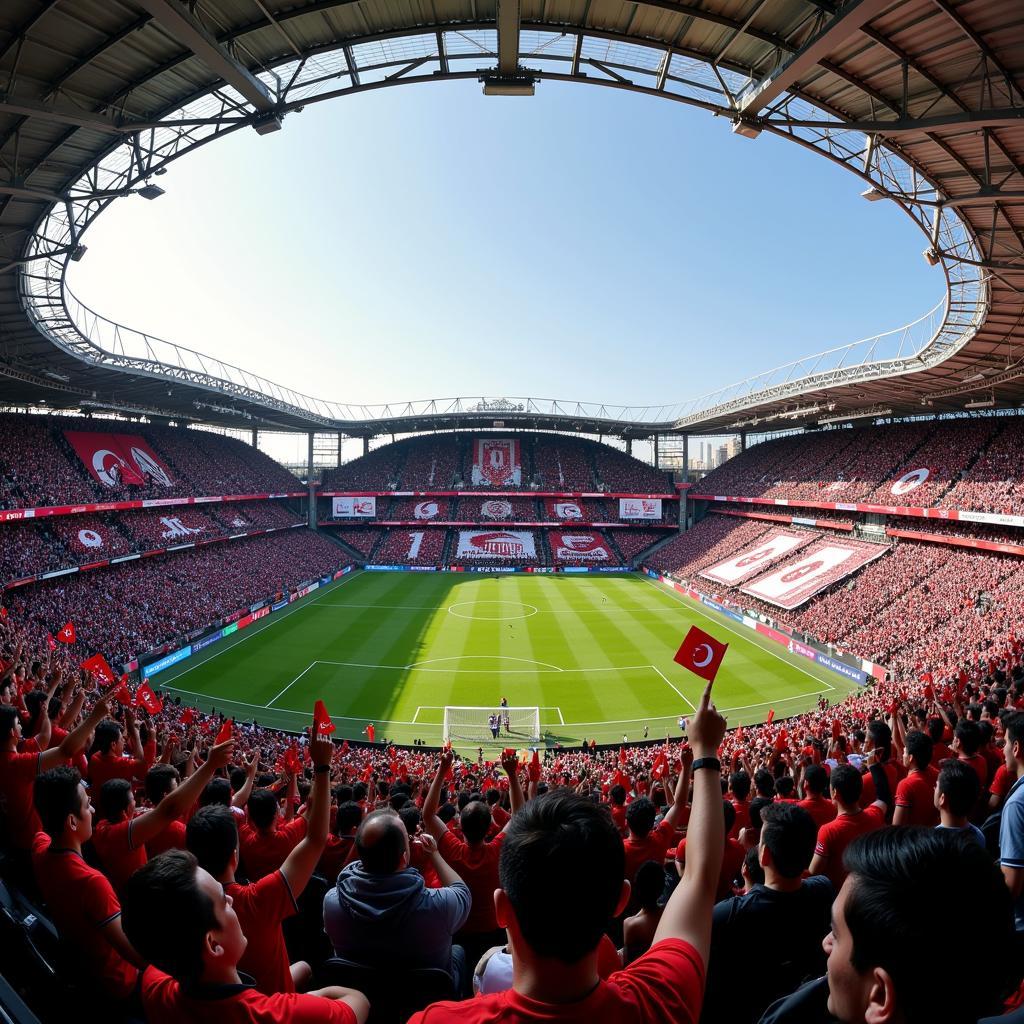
(381, 914)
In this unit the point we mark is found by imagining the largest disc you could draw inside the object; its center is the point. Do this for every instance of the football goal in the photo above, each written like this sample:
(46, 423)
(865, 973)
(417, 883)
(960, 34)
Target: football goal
(477, 725)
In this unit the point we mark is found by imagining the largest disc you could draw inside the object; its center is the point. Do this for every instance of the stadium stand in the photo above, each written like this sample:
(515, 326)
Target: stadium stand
(409, 509)
(361, 540)
(563, 464)
(632, 543)
(411, 547)
(484, 510)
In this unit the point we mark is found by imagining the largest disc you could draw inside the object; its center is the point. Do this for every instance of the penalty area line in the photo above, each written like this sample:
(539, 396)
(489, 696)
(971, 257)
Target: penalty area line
(674, 687)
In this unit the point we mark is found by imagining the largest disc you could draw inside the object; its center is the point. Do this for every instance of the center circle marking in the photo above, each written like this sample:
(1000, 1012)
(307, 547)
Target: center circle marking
(492, 618)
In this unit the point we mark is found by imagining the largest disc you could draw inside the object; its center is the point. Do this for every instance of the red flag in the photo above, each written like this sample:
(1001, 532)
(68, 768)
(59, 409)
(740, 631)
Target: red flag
(51, 643)
(368, 772)
(929, 693)
(322, 724)
(622, 755)
(660, 767)
(533, 771)
(188, 716)
(66, 633)
(947, 694)
(739, 733)
(701, 653)
(292, 761)
(225, 732)
(98, 666)
(146, 698)
(771, 715)
(3, 614)
(926, 677)
(121, 693)
(837, 728)
(344, 748)
(780, 742)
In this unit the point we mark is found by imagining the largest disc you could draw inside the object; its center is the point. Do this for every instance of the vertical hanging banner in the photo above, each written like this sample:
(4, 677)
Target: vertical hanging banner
(114, 460)
(496, 463)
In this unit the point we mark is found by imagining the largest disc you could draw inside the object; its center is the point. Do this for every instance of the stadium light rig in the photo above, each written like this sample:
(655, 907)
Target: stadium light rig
(150, 191)
(931, 257)
(858, 414)
(872, 194)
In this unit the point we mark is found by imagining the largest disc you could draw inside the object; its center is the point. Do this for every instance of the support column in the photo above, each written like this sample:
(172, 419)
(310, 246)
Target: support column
(339, 450)
(686, 458)
(310, 483)
(366, 445)
(629, 446)
(255, 438)
(743, 440)
(657, 453)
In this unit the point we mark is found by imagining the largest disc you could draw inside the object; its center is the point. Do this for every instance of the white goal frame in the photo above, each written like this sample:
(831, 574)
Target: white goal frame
(468, 724)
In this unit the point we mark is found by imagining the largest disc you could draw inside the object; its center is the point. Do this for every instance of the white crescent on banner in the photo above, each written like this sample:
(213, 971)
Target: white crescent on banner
(707, 660)
(910, 481)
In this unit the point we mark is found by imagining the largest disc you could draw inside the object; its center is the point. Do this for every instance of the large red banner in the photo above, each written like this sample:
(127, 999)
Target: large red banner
(579, 548)
(777, 544)
(563, 509)
(116, 459)
(496, 463)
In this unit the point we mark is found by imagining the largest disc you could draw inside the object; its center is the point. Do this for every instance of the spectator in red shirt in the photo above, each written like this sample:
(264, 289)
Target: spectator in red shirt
(341, 842)
(878, 738)
(18, 771)
(119, 837)
(851, 821)
(161, 780)
(80, 898)
(638, 930)
(562, 881)
(739, 788)
(109, 761)
(262, 906)
(183, 922)
(815, 802)
(732, 857)
(265, 839)
(647, 841)
(617, 804)
(966, 744)
(915, 795)
(887, 913)
(475, 859)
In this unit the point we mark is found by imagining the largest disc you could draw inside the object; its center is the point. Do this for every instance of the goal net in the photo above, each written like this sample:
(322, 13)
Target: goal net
(476, 725)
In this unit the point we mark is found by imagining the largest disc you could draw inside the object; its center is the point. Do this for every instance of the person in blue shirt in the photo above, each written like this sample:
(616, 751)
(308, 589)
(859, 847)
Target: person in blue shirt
(1011, 828)
(956, 794)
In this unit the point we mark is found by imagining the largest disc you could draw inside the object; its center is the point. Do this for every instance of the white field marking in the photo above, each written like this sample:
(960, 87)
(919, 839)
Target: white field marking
(735, 632)
(417, 714)
(548, 667)
(561, 720)
(491, 618)
(414, 666)
(674, 687)
(249, 633)
(540, 611)
(312, 664)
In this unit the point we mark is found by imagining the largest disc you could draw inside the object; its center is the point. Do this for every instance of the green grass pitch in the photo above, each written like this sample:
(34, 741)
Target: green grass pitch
(593, 652)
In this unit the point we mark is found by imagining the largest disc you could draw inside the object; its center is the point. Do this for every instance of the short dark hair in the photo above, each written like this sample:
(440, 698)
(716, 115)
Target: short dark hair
(640, 816)
(789, 834)
(212, 835)
(383, 856)
(757, 806)
(649, 884)
(969, 735)
(936, 728)
(729, 813)
(262, 808)
(349, 815)
(562, 865)
(920, 747)
(166, 916)
(115, 795)
(1014, 726)
(55, 796)
(618, 794)
(739, 783)
(8, 717)
(815, 779)
(959, 783)
(160, 781)
(784, 786)
(475, 820)
(881, 735)
(217, 792)
(847, 783)
(107, 733)
(893, 915)
(753, 865)
(764, 782)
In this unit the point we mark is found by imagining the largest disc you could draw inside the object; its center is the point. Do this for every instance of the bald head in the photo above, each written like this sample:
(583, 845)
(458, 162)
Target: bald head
(382, 842)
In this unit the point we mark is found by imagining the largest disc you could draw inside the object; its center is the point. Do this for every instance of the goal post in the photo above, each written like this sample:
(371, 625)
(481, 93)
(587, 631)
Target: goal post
(463, 724)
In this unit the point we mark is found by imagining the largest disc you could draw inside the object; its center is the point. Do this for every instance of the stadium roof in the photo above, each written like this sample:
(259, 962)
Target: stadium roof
(921, 99)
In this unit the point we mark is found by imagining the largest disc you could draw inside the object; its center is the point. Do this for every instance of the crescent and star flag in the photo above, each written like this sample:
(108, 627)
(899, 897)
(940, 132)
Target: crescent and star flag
(322, 724)
(120, 691)
(660, 767)
(66, 634)
(146, 698)
(701, 654)
(225, 732)
(98, 666)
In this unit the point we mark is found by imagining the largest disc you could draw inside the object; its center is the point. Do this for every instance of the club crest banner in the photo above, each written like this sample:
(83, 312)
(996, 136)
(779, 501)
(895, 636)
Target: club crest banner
(564, 509)
(584, 548)
(496, 463)
(355, 508)
(510, 544)
(639, 508)
(114, 460)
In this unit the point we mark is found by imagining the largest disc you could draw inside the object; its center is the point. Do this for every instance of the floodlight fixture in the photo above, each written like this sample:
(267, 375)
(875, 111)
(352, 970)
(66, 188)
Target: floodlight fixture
(78, 252)
(872, 194)
(931, 257)
(150, 191)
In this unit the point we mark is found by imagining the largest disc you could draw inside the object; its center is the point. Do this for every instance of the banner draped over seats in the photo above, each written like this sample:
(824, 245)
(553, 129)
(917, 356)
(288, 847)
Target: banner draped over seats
(580, 547)
(117, 459)
(749, 563)
(496, 463)
(510, 544)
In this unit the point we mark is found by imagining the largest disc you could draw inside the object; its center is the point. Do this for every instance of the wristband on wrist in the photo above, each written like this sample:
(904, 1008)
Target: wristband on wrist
(321, 768)
(707, 762)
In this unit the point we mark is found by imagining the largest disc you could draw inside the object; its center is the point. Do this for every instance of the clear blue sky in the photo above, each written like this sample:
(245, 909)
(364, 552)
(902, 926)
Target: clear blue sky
(426, 241)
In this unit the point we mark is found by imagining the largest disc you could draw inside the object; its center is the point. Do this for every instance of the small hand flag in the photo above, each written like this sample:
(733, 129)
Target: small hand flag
(322, 724)
(225, 732)
(146, 698)
(701, 654)
(66, 634)
(99, 667)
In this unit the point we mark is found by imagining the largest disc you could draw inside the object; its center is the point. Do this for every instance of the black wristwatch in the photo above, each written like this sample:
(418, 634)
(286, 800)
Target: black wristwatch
(707, 762)
(321, 768)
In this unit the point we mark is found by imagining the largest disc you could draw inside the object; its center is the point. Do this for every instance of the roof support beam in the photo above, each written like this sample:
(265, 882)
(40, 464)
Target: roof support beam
(849, 20)
(184, 27)
(508, 37)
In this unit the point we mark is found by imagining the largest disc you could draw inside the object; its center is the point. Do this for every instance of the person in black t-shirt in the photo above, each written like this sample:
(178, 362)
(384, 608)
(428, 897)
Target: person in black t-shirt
(770, 937)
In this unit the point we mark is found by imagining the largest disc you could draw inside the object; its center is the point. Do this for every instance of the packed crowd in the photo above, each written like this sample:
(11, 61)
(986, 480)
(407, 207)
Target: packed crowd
(38, 466)
(563, 464)
(972, 465)
(411, 547)
(211, 871)
(618, 471)
(133, 608)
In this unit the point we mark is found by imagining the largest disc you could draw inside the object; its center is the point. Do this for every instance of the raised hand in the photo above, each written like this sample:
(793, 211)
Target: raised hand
(707, 727)
(321, 750)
